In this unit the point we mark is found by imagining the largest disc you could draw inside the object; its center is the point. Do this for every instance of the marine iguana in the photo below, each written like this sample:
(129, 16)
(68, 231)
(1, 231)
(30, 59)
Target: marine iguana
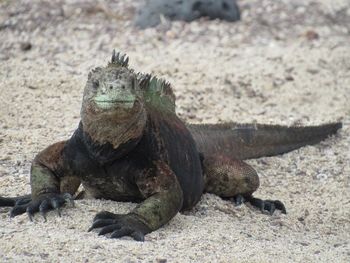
(131, 146)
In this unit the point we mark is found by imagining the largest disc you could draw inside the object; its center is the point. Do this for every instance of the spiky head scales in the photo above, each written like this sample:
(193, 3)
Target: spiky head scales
(119, 60)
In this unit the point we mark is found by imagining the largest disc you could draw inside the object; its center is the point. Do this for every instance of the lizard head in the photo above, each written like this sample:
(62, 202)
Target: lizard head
(113, 108)
(112, 89)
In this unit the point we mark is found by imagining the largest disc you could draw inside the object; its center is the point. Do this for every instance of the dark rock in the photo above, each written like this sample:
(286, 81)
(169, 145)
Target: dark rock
(25, 46)
(311, 35)
(149, 14)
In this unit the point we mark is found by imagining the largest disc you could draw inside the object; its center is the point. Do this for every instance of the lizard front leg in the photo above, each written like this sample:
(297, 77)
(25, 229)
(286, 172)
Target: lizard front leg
(51, 184)
(164, 197)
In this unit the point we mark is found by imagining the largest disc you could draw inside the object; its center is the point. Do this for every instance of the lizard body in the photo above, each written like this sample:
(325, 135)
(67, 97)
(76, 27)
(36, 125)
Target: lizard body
(131, 146)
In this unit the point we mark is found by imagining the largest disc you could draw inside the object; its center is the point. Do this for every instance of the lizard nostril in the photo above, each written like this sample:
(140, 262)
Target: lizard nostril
(111, 87)
(123, 86)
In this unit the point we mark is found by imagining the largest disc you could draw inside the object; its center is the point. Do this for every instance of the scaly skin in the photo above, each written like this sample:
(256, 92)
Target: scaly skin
(131, 146)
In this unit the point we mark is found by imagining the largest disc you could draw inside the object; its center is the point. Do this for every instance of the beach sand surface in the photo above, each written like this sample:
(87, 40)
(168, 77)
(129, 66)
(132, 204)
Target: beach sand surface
(285, 62)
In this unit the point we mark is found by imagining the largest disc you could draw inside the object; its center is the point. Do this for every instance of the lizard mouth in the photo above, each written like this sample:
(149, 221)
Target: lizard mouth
(114, 101)
(106, 104)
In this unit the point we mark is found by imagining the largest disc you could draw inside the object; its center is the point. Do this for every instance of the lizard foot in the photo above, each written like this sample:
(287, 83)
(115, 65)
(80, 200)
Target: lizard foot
(265, 206)
(42, 204)
(120, 225)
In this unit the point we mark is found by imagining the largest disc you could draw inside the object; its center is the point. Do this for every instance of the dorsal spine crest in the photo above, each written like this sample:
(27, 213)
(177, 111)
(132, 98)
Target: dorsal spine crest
(119, 59)
(158, 92)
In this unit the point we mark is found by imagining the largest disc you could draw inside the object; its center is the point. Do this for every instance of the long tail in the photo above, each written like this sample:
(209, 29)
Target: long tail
(246, 141)
(11, 201)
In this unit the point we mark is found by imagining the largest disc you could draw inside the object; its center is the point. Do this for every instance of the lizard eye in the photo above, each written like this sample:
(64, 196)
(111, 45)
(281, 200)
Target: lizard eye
(95, 84)
(123, 86)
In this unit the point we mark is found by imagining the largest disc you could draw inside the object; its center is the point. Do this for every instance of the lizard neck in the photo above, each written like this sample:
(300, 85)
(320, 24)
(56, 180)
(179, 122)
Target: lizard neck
(102, 153)
(108, 128)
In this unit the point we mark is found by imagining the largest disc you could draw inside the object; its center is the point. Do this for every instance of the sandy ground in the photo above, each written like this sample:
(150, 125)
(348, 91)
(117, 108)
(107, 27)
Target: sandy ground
(286, 62)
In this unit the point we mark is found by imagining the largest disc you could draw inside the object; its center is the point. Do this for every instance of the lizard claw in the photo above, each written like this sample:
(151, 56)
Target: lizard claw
(138, 236)
(32, 208)
(120, 225)
(101, 223)
(279, 205)
(42, 204)
(18, 210)
(267, 206)
(30, 215)
(44, 207)
(56, 203)
(238, 200)
(69, 198)
(23, 201)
